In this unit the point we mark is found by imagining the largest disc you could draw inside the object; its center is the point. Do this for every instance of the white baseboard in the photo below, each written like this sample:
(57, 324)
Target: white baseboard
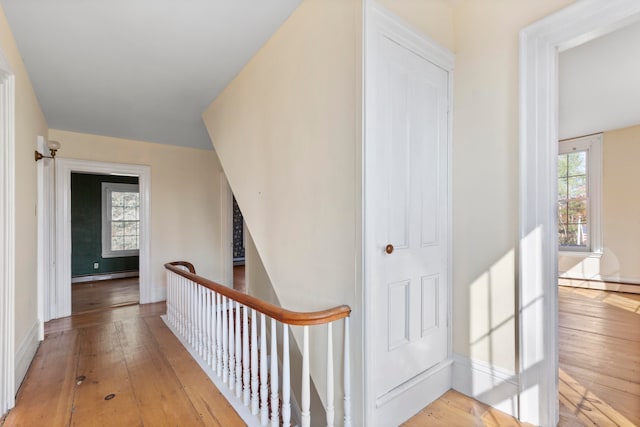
(489, 384)
(107, 276)
(25, 353)
(407, 400)
(629, 286)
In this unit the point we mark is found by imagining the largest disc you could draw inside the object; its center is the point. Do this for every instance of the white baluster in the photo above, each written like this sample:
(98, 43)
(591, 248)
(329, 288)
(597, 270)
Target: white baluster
(275, 416)
(264, 375)
(218, 335)
(246, 363)
(183, 290)
(212, 308)
(207, 308)
(203, 323)
(286, 381)
(347, 376)
(200, 312)
(169, 314)
(191, 313)
(239, 332)
(306, 386)
(232, 355)
(255, 404)
(330, 408)
(225, 341)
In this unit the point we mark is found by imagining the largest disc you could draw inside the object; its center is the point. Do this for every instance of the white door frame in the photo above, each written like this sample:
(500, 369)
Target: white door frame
(538, 250)
(7, 236)
(60, 291)
(377, 21)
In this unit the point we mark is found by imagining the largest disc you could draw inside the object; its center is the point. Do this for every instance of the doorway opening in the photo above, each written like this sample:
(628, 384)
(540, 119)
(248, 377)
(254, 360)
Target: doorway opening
(105, 241)
(537, 298)
(239, 274)
(55, 239)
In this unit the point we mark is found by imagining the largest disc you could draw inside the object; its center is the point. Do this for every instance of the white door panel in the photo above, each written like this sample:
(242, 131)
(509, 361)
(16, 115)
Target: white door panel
(410, 283)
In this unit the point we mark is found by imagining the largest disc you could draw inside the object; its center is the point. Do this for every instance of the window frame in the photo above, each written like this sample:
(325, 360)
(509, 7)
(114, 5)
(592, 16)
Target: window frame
(107, 189)
(592, 144)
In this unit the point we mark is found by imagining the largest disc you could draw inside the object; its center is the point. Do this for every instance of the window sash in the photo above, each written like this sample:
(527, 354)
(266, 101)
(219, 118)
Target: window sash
(120, 220)
(581, 195)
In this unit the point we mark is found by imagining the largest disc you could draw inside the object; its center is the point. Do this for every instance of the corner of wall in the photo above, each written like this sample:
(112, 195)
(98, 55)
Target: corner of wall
(492, 385)
(25, 353)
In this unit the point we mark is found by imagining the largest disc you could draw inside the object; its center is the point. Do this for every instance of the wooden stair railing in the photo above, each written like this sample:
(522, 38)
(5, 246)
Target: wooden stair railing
(219, 326)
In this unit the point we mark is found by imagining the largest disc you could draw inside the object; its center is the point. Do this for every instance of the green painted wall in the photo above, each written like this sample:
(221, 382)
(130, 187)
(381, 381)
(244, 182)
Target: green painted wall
(86, 226)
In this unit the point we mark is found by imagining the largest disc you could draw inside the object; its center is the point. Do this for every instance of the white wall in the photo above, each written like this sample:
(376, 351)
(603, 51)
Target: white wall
(485, 174)
(185, 199)
(30, 123)
(599, 84)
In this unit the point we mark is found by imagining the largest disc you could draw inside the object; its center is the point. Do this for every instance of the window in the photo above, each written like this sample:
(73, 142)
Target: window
(120, 220)
(579, 198)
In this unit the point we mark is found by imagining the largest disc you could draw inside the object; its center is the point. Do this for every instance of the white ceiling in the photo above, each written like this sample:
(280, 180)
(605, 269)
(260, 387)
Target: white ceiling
(138, 69)
(600, 84)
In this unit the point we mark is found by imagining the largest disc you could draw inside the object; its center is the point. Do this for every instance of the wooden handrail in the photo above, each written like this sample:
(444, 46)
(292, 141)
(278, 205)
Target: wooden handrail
(278, 313)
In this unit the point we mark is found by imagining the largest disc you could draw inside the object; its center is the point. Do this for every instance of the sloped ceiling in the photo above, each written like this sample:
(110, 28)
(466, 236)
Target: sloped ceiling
(138, 69)
(600, 84)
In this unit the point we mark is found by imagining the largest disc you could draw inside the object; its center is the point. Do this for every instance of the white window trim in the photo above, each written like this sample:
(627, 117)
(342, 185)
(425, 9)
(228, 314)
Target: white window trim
(593, 145)
(107, 189)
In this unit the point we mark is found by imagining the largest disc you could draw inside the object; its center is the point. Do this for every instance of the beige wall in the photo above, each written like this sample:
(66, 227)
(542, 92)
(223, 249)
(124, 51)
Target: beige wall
(30, 123)
(431, 17)
(485, 173)
(287, 132)
(620, 260)
(185, 197)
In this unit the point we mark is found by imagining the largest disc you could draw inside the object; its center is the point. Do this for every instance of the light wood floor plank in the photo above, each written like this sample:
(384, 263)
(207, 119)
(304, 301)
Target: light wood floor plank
(46, 395)
(103, 367)
(197, 385)
(160, 397)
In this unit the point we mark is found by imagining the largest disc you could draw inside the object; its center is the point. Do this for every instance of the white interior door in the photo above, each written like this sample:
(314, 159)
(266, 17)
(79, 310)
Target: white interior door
(408, 171)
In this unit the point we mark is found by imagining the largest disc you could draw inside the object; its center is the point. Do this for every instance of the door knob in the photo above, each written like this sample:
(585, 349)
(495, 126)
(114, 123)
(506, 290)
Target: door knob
(389, 248)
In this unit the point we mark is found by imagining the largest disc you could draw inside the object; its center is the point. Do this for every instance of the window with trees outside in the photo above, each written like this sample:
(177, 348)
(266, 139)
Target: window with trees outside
(120, 220)
(579, 178)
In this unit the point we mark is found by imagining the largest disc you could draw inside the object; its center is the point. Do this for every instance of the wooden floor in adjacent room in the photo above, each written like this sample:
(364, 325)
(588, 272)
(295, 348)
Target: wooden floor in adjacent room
(599, 338)
(102, 294)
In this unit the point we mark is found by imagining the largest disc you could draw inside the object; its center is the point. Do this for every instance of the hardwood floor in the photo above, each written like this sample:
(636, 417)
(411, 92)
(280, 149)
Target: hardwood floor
(599, 338)
(102, 294)
(119, 367)
(456, 409)
(128, 352)
(239, 282)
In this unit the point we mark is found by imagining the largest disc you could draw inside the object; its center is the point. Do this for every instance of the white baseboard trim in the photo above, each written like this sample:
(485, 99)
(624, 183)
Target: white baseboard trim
(25, 353)
(398, 406)
(618, 285)
(107, 276)
(487, 383)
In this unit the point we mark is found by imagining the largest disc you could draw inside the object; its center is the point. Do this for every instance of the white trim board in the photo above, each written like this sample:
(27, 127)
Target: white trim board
(600, 284)
(61, 289)
(487, 383)
(7, 235)
(25, 352)
(105, 276)
(538, 250)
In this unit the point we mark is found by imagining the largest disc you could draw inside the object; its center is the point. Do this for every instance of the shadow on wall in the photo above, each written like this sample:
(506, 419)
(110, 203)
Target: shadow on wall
(485, 363)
